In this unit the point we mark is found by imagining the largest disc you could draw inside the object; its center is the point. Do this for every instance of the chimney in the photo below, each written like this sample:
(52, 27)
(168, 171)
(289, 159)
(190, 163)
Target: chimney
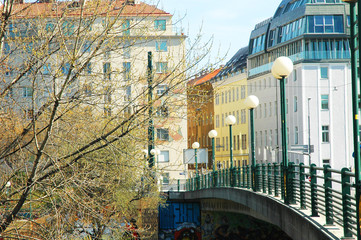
(129, 2)
(18, 1)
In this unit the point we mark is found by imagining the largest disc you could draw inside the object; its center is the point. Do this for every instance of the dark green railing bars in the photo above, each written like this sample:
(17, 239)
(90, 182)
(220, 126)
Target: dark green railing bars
(323, 190)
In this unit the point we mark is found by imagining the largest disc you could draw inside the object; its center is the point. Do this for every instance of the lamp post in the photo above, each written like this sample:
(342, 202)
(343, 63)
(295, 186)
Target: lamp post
(231, 120)
(195, 146)
(252, 102)
(155, 153)
(281, 68)
(150, 111)
(354, 36)
(212, 135)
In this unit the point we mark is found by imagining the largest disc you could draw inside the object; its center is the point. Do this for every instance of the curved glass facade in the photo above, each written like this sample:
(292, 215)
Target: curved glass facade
(303, 34)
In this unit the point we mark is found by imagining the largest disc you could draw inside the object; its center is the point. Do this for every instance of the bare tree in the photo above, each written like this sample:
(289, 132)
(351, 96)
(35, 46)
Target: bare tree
(74, 116)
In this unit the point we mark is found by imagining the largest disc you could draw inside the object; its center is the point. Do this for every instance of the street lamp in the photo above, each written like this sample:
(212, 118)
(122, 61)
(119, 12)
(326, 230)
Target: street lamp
(355, 53)
(155, 153)
(252, 102)
(231, 120)
(281, 68)
(212, 135)
(195, 146)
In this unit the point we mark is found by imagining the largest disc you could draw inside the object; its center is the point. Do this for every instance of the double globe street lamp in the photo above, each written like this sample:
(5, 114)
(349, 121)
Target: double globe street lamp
(252, 102)
(281, 68)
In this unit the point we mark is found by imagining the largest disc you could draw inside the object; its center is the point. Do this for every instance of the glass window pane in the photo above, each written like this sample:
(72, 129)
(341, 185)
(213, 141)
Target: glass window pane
(318, 20)
(328, 19)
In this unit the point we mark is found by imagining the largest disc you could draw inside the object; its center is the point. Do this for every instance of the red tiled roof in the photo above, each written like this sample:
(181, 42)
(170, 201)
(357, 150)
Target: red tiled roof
(204, 78)
(101, 8)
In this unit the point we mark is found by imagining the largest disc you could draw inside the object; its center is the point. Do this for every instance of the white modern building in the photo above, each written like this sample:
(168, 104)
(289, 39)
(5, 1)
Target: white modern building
(314, 34)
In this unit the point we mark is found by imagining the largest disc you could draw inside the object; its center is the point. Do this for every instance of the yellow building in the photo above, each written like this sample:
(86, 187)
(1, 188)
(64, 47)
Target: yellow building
(230, 92)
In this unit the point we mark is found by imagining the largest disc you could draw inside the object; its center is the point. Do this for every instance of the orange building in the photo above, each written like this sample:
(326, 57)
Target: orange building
(200, 113)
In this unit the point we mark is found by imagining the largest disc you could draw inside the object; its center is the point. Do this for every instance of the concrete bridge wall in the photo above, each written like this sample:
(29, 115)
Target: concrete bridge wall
(293, 222)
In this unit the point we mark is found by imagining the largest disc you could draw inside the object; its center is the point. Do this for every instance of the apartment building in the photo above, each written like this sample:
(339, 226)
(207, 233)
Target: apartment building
(97, 51)
(314, 35)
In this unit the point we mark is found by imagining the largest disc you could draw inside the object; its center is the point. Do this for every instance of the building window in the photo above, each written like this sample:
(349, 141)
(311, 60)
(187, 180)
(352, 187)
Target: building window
(65, 68)
(161, 67)
(270, 138)
(217, 99)
(163, 156)
(161, 46)
(222, 120)
(286, 106)
(86, 47)
(325, 134)
(265, 110)
(222, 97)
(160, 25)
(46, 68)
(107, 71)
(28, 92)
(162, 111)
(296, 135)
(270, 109)
(218, 144)
(295, 104)
(243, 92)
(265, 138)
(165, 177)
(295, 75)
(126, 49)
(243, 116)
(260, 138)
(324, 102)
(162, 89)
(217, 121)
(275, 107)
(225, 97)
(163, 134)
(126, 70)
(244, 141)
(238, 116)
(325, 24)
(126, 27)
(324, 72)
(326, 161)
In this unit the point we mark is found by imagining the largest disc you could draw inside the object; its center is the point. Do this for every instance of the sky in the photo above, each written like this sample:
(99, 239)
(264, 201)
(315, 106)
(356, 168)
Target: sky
(229, 22)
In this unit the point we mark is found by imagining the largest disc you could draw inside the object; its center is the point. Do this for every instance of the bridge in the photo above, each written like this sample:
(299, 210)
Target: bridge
(321, 199)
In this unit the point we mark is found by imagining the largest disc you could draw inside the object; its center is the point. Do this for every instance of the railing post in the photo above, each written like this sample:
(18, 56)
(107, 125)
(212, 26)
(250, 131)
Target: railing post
(302, 187)
(346, 191)
(239, 176)
(291, 177)
(223, 177)
(264, 178)
(248, 182)
(269, 172)
(275, 172)
(257, 176)
(243, 176)
(328, 194)
(314, 207)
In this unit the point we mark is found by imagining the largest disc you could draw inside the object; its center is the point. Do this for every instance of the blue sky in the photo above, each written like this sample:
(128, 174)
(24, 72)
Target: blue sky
(229, 22)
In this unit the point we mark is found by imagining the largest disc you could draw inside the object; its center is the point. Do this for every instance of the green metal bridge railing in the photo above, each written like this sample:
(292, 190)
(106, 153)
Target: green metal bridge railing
(323, 190)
